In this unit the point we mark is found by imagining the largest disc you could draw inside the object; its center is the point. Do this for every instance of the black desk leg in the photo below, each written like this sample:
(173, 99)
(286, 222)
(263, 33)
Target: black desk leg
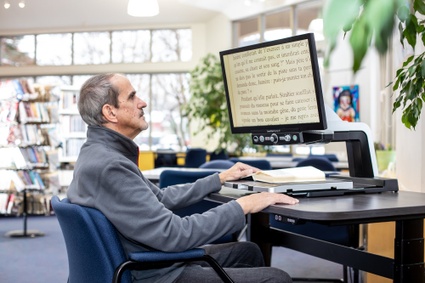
(409, 251)
(259, 234)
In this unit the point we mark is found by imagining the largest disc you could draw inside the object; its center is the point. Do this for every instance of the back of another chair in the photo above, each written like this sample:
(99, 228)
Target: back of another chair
(173, 177)
(93, 247)
(262, 164)
(195, 157)
(320, 163)
(218, 164)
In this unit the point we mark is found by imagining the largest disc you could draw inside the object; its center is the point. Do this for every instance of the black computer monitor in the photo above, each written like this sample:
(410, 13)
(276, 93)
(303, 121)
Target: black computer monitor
(274, 87)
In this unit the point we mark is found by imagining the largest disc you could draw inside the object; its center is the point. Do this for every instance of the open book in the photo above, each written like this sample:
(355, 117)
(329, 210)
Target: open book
(296, 174)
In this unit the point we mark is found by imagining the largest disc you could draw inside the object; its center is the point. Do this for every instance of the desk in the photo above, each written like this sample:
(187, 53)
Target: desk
(407, 209)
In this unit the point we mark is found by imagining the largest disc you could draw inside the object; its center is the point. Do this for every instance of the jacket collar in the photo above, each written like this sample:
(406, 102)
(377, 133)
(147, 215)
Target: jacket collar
(113, 139)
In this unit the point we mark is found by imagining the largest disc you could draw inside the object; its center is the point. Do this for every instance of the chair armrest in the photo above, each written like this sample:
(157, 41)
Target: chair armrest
(167, 256)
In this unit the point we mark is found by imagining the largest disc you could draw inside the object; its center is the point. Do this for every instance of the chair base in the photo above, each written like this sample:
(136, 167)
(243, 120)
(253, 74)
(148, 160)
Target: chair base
(24, 234)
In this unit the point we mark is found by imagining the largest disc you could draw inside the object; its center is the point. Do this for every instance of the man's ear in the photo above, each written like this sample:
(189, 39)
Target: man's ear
(108, 112)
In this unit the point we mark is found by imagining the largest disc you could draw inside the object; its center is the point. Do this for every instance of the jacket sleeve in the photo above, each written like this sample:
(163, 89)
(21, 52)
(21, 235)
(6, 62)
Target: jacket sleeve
(174, 197)
(138, 209)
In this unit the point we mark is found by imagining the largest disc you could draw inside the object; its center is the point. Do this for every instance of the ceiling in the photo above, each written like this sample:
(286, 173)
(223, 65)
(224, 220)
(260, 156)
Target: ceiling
(51, 15)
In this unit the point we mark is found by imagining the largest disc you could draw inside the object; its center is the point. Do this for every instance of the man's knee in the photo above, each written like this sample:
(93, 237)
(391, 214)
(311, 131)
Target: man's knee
(278, 276)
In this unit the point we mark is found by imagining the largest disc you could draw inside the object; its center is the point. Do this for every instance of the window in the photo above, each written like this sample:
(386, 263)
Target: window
(171, 45)
(92, 48)
(278, 25)
(165, 93)
(131, 46)
(54, 49)
(17, 50)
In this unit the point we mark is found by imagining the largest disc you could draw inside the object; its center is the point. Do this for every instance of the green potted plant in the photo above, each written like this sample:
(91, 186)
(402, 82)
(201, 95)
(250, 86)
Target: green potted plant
(385, 155)
(371, 22)
(208, 106)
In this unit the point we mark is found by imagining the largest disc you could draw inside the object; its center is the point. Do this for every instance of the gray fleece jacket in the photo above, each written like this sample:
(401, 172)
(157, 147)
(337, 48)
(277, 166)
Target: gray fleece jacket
(107, 177)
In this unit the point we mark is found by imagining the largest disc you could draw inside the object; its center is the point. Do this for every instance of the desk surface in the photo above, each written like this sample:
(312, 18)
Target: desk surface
(365, 207)
(407, 209)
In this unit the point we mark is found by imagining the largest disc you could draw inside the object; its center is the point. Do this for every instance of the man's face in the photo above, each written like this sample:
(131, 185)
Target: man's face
(130, 115)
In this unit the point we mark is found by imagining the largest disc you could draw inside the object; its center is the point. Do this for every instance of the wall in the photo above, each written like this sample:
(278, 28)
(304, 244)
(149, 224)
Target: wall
(218, 33)
(339, 73)
(410, 153)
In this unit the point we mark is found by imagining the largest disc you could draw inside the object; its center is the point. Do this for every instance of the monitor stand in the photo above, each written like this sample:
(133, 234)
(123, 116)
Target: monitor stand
(358, 139)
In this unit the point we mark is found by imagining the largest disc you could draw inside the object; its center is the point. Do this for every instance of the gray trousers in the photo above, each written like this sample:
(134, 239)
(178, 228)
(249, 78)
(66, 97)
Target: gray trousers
(243, 262)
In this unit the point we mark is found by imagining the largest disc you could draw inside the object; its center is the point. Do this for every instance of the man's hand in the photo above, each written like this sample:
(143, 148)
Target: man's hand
(237, 171)
(256, 202)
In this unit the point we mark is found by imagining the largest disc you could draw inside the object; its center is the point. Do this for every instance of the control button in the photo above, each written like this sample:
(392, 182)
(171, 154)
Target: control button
(261, 138)
(287, 138)
(255, 138)
(295, 137)
(274, 139)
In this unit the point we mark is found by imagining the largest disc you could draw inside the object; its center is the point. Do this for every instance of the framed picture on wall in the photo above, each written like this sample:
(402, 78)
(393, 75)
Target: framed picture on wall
(346, 102)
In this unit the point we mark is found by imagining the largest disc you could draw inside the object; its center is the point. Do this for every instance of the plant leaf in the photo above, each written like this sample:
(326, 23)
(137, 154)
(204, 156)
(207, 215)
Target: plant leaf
(360, 39)
(419, 6)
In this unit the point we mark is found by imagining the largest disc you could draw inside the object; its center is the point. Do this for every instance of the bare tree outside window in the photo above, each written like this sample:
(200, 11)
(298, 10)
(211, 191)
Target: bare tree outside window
(131, 46)
(92, 48)
(171, 45)
(170, 92)
(17, 50)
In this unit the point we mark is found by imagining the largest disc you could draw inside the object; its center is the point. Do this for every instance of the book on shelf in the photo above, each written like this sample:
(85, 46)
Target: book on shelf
(4, 197)
(296, 174)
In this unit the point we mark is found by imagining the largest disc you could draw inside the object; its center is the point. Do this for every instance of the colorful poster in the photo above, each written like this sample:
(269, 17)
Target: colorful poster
(346, 102)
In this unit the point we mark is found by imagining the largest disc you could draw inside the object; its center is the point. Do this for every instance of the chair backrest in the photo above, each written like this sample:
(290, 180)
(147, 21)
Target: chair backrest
(195, 157)
(93, 247)
(218, 164)
(222, 154)
(262, 164)
(173, 177)
(331, 156)
(165, 158)
(320, 163)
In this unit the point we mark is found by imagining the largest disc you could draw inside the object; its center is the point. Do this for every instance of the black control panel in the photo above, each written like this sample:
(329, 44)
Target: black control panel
(277, 138)
(283, 138)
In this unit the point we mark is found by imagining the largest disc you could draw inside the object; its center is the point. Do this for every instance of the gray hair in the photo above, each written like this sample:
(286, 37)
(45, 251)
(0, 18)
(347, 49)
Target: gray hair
(96, 92)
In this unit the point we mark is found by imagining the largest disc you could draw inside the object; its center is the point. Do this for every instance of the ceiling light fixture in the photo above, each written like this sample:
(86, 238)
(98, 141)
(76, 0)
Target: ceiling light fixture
(21, 4)
(143, 8)
(6, 5)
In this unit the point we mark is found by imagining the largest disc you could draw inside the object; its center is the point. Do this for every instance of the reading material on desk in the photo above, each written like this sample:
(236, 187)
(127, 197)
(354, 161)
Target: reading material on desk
(296, 174)
(291, 180)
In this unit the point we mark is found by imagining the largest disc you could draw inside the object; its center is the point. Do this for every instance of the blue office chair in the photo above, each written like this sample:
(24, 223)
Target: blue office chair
(320, 163)
(222, 154)
(331, 156)
(165, 158)
(262, 164)
(95, 253)
(343, 235)
(217, 164)
(195, 157)
(174, 177)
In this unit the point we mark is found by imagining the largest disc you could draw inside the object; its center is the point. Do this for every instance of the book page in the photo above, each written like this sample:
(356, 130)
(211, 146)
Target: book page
(296, 174)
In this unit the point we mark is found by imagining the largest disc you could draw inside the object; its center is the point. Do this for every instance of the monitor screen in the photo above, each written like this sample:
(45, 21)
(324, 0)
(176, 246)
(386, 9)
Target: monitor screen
(274, 86)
